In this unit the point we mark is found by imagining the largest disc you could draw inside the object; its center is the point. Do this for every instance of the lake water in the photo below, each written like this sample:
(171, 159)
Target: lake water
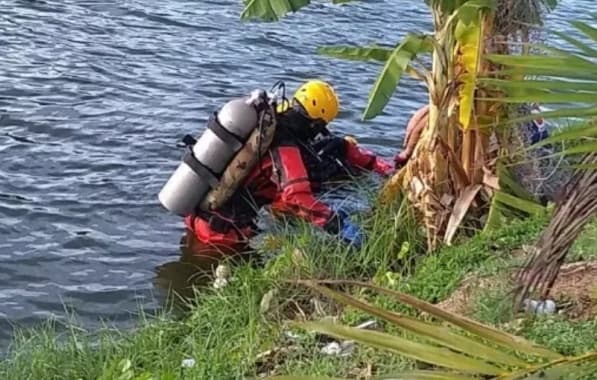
(94, 96)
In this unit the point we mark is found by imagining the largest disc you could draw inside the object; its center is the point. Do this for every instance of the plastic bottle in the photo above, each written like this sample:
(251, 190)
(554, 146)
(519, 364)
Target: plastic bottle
(540, 307)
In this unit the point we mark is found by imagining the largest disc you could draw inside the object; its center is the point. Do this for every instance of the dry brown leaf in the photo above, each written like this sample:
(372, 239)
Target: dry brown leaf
(490, 179)
(460, 209)
(446, 200)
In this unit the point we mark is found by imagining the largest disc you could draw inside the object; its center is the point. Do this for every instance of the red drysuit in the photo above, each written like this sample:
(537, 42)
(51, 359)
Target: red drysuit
(281, 180)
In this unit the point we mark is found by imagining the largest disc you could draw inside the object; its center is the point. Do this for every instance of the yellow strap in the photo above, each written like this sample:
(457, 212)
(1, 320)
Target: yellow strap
(283, 107)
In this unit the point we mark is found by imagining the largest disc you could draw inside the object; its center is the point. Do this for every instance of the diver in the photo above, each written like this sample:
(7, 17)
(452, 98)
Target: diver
(265, 151)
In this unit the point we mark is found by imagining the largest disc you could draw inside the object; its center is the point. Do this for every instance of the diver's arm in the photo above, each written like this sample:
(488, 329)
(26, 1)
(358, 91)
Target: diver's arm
(363, 159)
(295, 196)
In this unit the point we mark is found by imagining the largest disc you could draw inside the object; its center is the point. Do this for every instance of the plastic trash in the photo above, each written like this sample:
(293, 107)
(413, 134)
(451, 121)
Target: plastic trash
(540, 307)
(222, 275)
(187, 363)
(338, 349)
(346, 347)
(220, 283)
(223, 271)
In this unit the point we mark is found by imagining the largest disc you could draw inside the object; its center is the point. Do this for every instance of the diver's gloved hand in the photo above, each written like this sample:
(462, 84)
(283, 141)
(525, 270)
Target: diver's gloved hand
(351, 233)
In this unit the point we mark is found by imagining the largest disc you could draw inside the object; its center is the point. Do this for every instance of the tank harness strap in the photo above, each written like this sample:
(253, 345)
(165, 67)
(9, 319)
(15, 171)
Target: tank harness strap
(198, 168)
(219, 224)
(281, 172)
(225, 135)
(223, 225)
(188, 140)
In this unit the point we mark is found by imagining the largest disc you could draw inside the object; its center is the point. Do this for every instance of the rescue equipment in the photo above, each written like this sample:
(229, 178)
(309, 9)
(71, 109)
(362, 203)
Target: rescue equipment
(318, 99)
(215, 165)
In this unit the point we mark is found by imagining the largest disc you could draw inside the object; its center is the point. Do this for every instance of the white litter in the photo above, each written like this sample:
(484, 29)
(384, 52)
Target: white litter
(346, 347)
(220, 283)
(540, 307)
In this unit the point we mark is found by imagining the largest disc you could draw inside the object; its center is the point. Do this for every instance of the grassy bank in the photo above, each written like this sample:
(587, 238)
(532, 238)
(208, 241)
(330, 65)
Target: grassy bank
(236, 332)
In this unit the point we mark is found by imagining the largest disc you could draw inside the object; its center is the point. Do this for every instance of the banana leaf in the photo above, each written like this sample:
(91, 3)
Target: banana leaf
(397, 63)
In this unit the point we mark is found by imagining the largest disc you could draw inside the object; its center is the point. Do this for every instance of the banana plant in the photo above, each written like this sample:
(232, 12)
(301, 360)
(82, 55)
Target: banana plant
(446, 178)
(458, 348)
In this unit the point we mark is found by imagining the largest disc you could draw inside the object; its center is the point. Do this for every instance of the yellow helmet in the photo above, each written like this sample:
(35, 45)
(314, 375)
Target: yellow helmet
(318, 99)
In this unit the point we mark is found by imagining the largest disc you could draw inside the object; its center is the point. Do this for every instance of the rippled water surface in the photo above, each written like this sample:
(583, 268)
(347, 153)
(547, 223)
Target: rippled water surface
(94, 95)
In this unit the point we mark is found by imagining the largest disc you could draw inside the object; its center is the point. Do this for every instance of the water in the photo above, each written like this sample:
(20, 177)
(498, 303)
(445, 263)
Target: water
(95, 95)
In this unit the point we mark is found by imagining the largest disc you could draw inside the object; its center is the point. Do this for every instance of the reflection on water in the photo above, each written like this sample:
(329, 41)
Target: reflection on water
(195, 267)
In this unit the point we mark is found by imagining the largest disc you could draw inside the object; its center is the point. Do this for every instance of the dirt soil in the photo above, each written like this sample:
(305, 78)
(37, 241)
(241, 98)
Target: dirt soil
(574, 292)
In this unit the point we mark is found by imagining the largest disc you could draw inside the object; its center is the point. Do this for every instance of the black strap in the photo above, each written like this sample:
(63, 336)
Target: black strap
(189, 140)
(334, 224)
(201, 170)
(278, 169)
(225, 135)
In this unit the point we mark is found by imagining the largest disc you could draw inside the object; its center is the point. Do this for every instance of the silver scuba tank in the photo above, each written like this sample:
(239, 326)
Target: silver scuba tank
(202, 165)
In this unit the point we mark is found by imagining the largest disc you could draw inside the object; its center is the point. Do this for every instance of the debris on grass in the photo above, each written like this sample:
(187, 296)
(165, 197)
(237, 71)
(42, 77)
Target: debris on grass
(572, 292)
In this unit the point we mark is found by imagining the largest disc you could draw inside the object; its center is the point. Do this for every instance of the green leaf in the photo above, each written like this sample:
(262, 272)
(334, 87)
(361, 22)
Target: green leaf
(389, 77)
(426, 375)
(271, 10)
(297, 377)
(376, 53)
(486, 332)
(524, 86)
(576, 43)
(413, 350)
(557, 73)
(447, 7)
(580, 112)
(495, 217)
(469, 11)
(569, 370)
(580, 148)
(508, 183)
(551, 4)
(542, 97)
(548, 65)
(586, 29)
(516, 203)
(274, 10)
(437, 334)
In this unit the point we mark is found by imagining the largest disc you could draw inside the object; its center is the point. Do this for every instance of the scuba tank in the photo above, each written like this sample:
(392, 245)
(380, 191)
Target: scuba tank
(216, 164)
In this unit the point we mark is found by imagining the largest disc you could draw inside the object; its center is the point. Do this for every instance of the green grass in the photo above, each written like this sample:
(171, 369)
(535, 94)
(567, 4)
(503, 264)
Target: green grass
(438, 275)
(225, 330)
(585, 247)
(568, 337)
(222, 334)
